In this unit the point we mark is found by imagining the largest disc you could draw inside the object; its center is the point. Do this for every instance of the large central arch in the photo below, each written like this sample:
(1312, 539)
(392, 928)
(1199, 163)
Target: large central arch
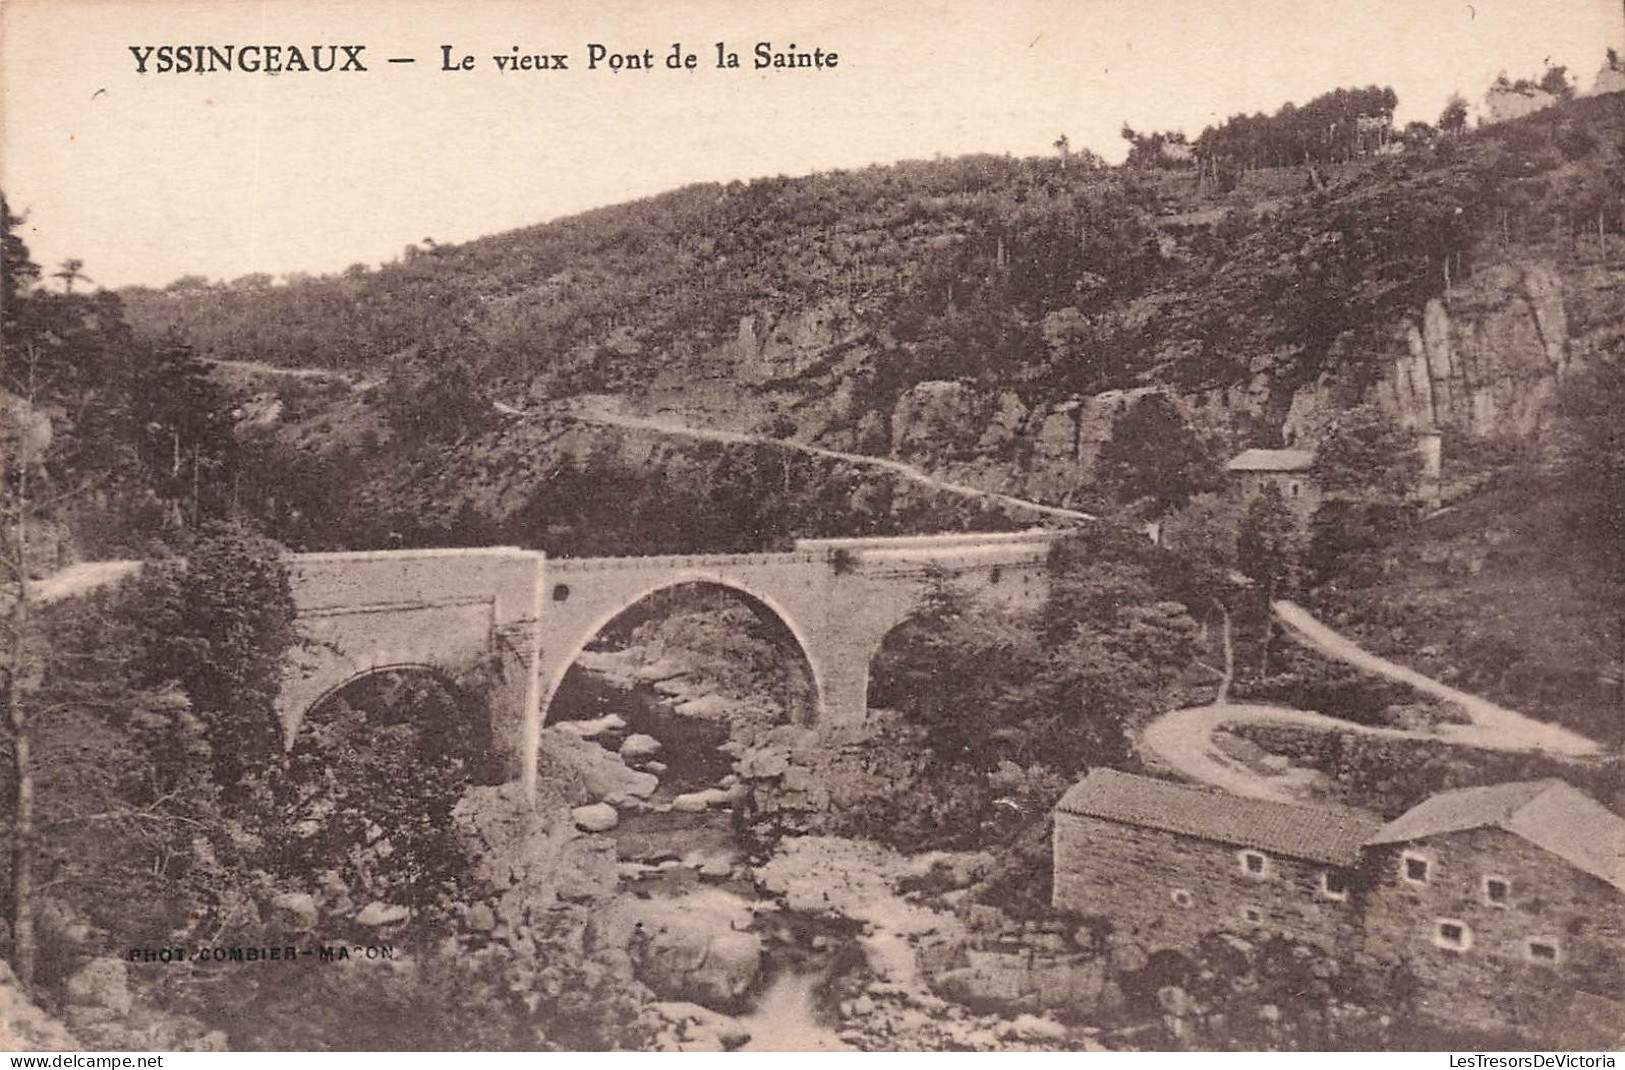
(597, 614)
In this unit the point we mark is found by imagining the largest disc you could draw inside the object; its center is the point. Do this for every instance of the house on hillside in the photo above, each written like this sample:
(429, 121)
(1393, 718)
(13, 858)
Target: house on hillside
(1251, 471)
(1487, 894)
(1506, 100)
(1168, 863)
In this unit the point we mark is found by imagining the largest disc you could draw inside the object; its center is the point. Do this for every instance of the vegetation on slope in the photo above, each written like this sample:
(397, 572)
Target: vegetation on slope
(1057, 276)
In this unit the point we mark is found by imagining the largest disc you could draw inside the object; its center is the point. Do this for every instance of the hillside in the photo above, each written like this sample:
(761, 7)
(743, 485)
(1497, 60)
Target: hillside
(820, 305)
(1498, 596)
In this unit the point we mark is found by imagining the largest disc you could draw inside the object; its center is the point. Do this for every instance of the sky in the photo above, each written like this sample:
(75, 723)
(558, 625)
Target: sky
(149, 177)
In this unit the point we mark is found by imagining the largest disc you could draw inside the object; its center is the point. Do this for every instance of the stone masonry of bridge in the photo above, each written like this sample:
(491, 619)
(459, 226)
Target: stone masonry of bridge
(525, 618)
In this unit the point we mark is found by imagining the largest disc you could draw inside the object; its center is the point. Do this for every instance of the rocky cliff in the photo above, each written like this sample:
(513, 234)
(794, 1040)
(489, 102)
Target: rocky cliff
(1485, 360)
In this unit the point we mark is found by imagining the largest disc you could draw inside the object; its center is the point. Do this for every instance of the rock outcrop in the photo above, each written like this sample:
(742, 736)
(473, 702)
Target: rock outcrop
(587, 772)
(23, 1026)
(1491, 360)
(693, 947)
(101, 985)
(937, 418)
(529, 859)
(767, 348)
(1487, 361)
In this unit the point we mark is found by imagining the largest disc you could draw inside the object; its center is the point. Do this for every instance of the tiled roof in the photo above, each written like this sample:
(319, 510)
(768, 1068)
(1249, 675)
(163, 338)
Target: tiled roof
(1548, 813)
(1314, 833)
(1271, 461)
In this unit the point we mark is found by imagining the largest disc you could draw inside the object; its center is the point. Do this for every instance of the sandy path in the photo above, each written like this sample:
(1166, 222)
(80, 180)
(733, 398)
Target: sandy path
(77, 579)
(1497, 727)
(900, 468)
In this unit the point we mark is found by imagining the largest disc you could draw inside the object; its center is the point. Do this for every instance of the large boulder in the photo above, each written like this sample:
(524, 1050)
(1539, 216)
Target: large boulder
(681, 1026)
(377, 914)
(101, 983)
(694, 802)
(1021, 981)
(533, 857)
(23, 1026)
(951, 869)
(587, 772)
(693, 947)
(295, 911)
(638, 746)
(610, 722)
(597, 817)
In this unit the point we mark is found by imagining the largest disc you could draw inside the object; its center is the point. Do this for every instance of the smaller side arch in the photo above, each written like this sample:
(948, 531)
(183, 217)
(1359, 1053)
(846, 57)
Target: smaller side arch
(292, 724)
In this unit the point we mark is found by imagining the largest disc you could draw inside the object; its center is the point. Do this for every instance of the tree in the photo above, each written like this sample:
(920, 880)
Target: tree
(70, 272)
(17, 271)
(222, 624)
(957, 667)
(1368, 457)
(342, 804)
(1453, 119)
(1153, 456)
(19, 513)
(1556, 82)
(443, 400)
(1267, 554)
(1204, 535)
(20, 677)
(182, 419)
(1368, 468)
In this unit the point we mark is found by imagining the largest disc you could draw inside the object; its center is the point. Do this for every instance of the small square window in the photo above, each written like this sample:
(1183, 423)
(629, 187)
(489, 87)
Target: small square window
(1181, 897)
(1252, 915)
(1334, 884)
(1542, 949)
(1452, 934)
(1415, 869)
(1497, 891)
(1254, 864)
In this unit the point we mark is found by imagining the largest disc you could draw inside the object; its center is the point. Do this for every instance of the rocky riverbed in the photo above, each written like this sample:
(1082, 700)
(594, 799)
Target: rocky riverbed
(824, 944)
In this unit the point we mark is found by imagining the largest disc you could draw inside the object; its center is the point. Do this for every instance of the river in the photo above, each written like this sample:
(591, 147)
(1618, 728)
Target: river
(789, 1010)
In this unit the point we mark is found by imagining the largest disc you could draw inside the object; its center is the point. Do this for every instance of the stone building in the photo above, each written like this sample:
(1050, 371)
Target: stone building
(1168, 863)
(1286, 470)
(1504, 904)
(1490, 894)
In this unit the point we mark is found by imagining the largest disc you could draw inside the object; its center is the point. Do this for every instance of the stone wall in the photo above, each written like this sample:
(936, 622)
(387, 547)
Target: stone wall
(1493, 982)
(1130, 875)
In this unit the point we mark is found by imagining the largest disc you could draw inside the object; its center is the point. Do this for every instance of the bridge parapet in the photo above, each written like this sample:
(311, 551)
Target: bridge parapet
(933, 543)
(682, 561)
(506, 577)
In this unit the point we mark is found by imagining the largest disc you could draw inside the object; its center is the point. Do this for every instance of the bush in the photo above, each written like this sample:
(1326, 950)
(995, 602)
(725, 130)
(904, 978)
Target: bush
(450, 999)
(1308, 682)
(344, 805)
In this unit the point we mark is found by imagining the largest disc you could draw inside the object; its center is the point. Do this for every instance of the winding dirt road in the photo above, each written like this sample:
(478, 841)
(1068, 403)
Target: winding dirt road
(1493, 726)
(1184, 738)
(899, 468)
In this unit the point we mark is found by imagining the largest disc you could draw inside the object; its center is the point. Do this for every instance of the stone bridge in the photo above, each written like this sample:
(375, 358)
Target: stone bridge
(522, 619)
